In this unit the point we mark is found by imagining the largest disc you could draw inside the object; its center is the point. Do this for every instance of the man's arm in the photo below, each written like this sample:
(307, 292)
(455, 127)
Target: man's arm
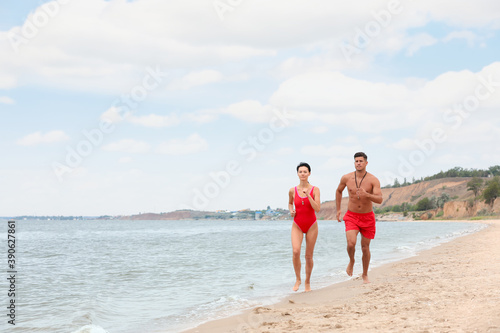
(376, 195)
(338, 195)
(377, 192)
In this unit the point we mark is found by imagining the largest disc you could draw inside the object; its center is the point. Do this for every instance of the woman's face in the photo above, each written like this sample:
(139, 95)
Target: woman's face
(303, 173)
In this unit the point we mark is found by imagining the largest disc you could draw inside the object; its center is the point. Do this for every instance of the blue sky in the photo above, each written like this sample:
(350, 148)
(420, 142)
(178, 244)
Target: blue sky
(121, 107)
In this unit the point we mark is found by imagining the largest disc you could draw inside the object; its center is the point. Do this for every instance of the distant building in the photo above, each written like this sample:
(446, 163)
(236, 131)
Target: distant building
(258, 215)
(270, 212)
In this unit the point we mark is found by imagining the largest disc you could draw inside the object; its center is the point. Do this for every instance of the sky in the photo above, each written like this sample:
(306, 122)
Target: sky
(125, 107)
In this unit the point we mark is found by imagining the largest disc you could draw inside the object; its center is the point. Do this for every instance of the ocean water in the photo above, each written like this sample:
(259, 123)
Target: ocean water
(165, 276)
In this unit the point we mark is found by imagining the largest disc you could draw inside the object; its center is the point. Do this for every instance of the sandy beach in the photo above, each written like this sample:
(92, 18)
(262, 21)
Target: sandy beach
(454, 287)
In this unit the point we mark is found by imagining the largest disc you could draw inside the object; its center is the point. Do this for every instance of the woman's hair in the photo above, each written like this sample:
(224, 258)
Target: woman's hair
(304, 164)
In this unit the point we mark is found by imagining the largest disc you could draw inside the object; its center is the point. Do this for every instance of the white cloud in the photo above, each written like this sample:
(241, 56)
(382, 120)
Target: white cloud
(349, 139)
(285, 151)
(192, 144)
(324, 62)
(458, 159)
(466, 146)
(112, 115)
(7, 80)
(337, 163)
(404, 144)
(176, 36)
(126, 159)
(194, 79)
(419, 41)
(203, 116)
(479, 14)
(452, 88)
(319, 129)
(339, 100)
(479, 134)
(372, 107)
(334, 150)
(250, 111)
(6, 100)
(128, 146)
(102, 61)
(376, 140)
(469, 37)
(154, 120)
(394, 34)
(37, 138)
(324, 90)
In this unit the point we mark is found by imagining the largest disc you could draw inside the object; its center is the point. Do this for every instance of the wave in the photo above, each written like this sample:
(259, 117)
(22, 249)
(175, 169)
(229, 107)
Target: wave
(90, 329)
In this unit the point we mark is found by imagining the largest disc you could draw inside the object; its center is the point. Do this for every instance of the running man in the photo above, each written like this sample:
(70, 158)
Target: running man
(363, 189)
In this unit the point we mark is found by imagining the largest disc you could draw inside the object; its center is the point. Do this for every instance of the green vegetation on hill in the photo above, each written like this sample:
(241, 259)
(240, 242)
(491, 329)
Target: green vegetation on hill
(451, 173)
(487, 190)
(422, 205)
(461, 172)
(491, 190)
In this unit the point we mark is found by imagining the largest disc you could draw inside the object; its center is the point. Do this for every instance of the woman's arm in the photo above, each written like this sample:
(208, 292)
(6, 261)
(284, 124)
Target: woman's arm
(316, 202)
(290, 202)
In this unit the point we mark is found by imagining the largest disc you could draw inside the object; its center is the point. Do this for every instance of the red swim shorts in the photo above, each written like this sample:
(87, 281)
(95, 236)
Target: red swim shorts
(365, 223)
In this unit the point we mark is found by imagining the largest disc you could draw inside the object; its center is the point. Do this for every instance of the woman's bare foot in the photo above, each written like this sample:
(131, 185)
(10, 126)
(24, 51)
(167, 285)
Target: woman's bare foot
(365, 279)
(297, 284)
(308, 286)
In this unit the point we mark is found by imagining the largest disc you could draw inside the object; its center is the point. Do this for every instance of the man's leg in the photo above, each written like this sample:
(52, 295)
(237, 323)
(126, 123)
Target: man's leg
(365, 247)
(297, 236)
(351, 236)
(311, 236)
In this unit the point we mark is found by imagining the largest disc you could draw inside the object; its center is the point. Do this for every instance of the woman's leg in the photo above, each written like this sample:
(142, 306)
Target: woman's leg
(311, 236)
(297, 236)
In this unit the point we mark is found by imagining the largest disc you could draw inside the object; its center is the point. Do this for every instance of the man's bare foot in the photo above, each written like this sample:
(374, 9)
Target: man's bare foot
(297, 284)
(308, 286)
(350, 268)
(365, 279)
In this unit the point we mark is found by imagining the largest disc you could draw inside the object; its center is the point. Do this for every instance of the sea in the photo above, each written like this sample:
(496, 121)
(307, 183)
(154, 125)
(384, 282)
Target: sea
(117, 276)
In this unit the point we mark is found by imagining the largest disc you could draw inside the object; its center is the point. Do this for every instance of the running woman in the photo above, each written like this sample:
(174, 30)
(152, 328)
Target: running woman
(303, 203)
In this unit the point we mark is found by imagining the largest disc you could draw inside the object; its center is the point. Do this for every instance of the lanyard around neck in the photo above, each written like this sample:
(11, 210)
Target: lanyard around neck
(356, 179)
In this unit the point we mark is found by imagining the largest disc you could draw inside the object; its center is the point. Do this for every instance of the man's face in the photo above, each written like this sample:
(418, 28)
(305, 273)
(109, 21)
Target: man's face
(360, 163)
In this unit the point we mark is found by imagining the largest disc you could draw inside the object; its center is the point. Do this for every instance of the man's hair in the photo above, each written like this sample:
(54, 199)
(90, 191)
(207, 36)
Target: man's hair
(303, 164)
(361, 154)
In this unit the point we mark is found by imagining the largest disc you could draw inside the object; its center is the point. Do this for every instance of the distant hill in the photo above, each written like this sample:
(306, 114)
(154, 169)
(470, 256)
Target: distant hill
(455, 187)
(245, 214)
(176, 215)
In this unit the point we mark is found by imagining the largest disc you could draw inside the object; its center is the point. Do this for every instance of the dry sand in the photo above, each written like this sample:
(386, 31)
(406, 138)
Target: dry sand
(454, 287)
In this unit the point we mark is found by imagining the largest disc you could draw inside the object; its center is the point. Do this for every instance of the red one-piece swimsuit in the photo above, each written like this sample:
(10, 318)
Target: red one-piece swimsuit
(305, 216)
